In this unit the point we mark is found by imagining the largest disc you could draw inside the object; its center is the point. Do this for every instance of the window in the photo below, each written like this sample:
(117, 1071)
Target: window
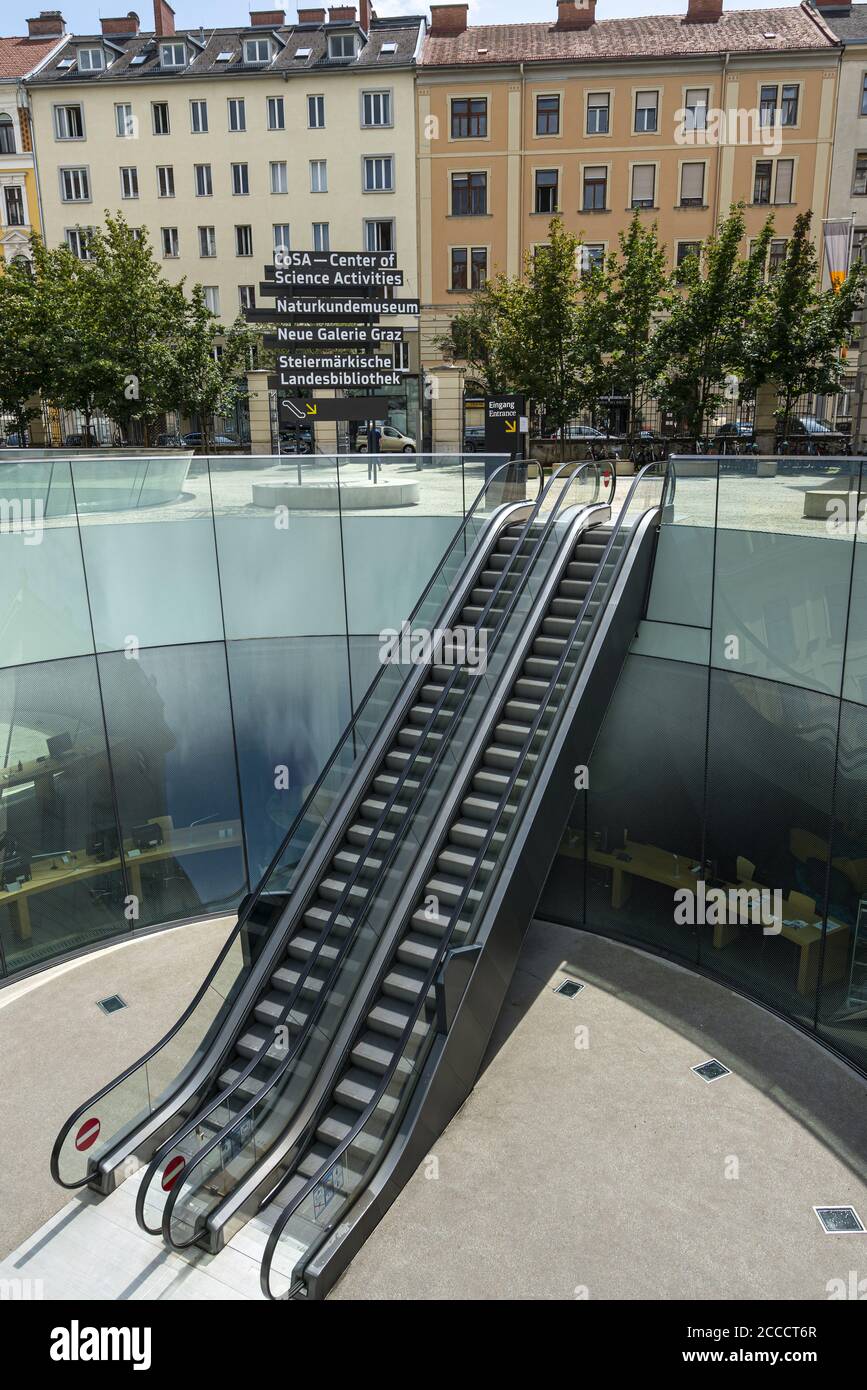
(592, 256)
(237, 113)
(643, 185)
(165, 181)
(75, 185)
(315, 113)
(547, 190)
(204, 181)
(784, 181)
(598, 113)
(789, 104)
(7, 135)
(244, 241)
(768, 106)
(124, 121)
(459, 267)
(14, 199)
(864, 95)
(378, 174)
(341, 46)
(69, 122)
(321, 236)
(692, 185)
(212, 298)
(469, 118)
(173, 55)
(78, 241)
(859, 185)
(762, 181)
(169, 236)
(199, 117)
(478, 267)
(595, 188)
(375, 109)
(129, 182)
(276, 114)
(646, 112)
(90, 60)
(160, 117)
(281, 236)
(247, 296)
(776, 255)
(318, 176)
(470, 194)
(547, 115)
(469, 267)
(685, 249)
(695, 108)
(240, 180)
(401, 357)
(257, 50)
(379, 234)
(207, 241)
(279, 176)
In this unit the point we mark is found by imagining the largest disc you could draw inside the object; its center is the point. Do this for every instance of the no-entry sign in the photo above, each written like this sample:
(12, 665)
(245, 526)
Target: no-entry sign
(88, 1134)
(172, 1172)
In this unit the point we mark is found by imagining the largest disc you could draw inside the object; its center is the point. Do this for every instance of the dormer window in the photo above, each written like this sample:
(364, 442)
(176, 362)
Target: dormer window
(257, 51)
(91, 60)
(173, 55)
(341, 46)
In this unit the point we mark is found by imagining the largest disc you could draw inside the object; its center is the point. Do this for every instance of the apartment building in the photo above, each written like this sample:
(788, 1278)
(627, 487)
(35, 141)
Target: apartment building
(229, 143)
(676, 115)
(19, 197)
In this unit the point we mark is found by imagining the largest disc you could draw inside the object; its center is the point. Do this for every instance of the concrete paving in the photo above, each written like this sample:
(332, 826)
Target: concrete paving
(609, 1170)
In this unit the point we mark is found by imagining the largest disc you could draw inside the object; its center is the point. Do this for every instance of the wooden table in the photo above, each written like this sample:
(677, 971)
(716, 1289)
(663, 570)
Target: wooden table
(196, 840)
(674, 871)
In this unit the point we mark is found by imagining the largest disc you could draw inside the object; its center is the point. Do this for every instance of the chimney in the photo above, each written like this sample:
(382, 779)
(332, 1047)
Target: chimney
(448, 20)
(123, 28)
(575, 14)
(267, 19)
(707, 12)
(311, 16)
(49, 25)
(340, 13)
(364, 15)
(164, 19)
(835, 7)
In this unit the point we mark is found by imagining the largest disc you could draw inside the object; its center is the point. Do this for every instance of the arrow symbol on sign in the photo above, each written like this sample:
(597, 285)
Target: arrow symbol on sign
(311, 410)
(511, 426)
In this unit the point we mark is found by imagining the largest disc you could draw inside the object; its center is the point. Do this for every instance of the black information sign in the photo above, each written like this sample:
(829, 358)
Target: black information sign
(326, 335)
(335, 380)
(300, 412)
(503, 425)
(318, 306)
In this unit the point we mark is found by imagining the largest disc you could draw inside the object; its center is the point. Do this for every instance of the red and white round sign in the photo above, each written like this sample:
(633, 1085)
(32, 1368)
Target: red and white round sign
(88, 1134)
(172, 1172)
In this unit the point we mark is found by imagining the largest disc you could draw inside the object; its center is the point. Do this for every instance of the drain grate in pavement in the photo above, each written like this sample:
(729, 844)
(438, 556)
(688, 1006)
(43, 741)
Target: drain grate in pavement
(839, 1221)
(111, 1004)
(711, 1070)
(568, 987)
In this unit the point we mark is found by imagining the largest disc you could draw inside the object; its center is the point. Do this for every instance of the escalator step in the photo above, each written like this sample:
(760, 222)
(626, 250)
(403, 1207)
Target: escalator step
(461, 862)
(438, 923)
(522, 712)
(332, 888)
(356, 1089)
(321, 913)
(361, 835)
(346, 861)
(482, 595)
(540, 666)
(390, 1016)
(403, 982)
(575, 588)
(417, 950)
(481, 808)
(420, 714)
(498, 560)
(397, 759)
(512, 733)
(472, 833)
(373, 1052)
(304, 944)
(250, 1043)
(410, 737)
(529, 689)
(449, 890)
(338, 1123)
(495, 755)
(286, 977)
(432, 692)
(251, 1085)
(373, 807)
(385, 782)
(564, 607)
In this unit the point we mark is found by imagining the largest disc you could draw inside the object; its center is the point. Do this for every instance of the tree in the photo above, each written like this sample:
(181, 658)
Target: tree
(76, 371)
(25, 342)
(209, 363)
(474, 337)
(705, 338)
(799, 329)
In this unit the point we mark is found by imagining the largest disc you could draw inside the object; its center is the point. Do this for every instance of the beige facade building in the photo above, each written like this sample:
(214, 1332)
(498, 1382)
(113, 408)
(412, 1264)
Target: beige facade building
(679, 116)
(19, 193)
(227, 144)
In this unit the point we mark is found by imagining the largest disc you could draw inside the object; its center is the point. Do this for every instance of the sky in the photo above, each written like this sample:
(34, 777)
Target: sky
(82, 16)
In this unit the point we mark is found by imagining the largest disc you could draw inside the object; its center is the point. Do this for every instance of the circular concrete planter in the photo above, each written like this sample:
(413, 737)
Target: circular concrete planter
(322, 497)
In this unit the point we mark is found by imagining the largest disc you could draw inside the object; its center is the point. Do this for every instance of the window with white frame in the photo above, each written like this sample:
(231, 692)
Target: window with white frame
(548, 115)
(170, 242)
(165, 181)
(124, 121)
(375, 109)
(379, 234)
(203, 180)
(7, 134)
(279, 176)
(257, 51)
(321, 236)
(75, 185)
(546, 191)
(173, 55)
(207, 241)
(240, 180)
(695, 108)
(212, 298)
(341, 46)
(247, 296)
(13, 200)
(90, 59)
(281, 236)
(592, 256)
(237, 114)
(595, 188)
(199, 117)
(378, 174)
(69, 122)
(78, 241)
(646, 112)
(598, 113)
(276, 114)
(243, 240)
(318, 176)
(316, 112)
(160, 118)
(401, 357)
(129, 182)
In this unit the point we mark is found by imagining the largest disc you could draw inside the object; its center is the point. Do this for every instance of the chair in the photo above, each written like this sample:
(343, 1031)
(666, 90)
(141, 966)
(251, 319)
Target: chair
(802, 906)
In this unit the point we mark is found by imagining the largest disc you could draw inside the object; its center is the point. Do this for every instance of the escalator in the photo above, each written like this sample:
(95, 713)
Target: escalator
(222, 1050)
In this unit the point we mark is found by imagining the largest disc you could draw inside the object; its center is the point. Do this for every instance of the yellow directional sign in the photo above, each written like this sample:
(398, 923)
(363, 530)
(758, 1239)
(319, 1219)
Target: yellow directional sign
(511, 426)
(311, 409)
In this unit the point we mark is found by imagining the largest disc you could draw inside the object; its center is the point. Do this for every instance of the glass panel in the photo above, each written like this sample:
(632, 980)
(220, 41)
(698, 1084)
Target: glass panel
(683, 569)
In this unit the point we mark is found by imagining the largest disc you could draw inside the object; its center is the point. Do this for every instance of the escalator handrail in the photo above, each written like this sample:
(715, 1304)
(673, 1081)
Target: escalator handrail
(370, 848)
(430, 978)
(253, 898)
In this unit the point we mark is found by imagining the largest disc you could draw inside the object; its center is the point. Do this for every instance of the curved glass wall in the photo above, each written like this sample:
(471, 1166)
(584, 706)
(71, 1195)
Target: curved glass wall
(182, 642)
(725, 821)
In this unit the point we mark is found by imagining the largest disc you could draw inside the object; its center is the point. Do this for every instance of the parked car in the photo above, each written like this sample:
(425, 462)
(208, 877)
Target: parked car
(805, 434)
(296, 441)
(391, 441)
(734, 437)
(582, 432)
(169, 441)
(15, 441)
(474, 438)
(81, 441)
(195, 440)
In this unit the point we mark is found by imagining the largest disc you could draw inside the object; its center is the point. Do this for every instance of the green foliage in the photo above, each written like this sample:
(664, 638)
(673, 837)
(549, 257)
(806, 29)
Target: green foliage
(23, 333)
(209, 362)
(474, 338)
